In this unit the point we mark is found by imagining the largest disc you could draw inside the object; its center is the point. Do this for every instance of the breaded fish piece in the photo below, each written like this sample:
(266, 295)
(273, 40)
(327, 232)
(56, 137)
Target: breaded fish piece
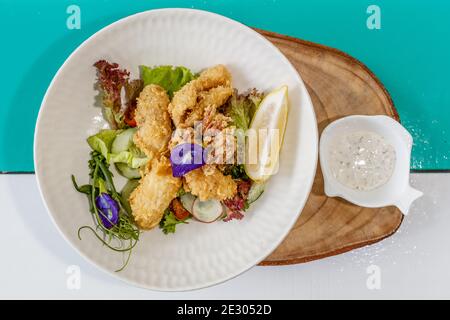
(212, 87)
(215, 97)
(153, 120)
(153, 195)
(215, 185)
(213, 77)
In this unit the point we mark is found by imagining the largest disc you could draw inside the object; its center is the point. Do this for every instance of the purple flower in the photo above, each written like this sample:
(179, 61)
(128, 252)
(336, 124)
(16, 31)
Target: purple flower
(185, 158)
(108, 210)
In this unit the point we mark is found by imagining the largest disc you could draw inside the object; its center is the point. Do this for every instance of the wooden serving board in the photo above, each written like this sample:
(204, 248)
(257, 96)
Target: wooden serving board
(339, 86)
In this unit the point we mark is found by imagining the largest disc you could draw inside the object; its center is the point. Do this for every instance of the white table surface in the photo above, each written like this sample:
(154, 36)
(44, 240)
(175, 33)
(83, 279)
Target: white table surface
(413, 263)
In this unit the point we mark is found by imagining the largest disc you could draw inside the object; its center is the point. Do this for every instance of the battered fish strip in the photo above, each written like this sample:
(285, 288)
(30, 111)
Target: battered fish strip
(153, 121)
(212, 87)
(215, 97)
(154, 194)
(215, 185)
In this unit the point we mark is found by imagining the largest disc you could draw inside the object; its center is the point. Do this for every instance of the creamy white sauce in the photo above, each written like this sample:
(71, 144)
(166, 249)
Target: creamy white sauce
(362, 160)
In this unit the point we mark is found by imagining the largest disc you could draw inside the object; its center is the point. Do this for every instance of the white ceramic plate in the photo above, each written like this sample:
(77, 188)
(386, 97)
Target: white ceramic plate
(197, 255)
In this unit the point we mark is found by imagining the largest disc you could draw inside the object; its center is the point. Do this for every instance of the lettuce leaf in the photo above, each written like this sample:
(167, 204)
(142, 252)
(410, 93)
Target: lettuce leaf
(102, 142)
(242, 107)
(127, 157)
(111, 80)
(169, 222)
(170, 78)
(118, 93)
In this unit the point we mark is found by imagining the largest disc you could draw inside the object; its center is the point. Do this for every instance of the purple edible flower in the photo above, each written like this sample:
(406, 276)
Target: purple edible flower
(185, 158)
(109, 210)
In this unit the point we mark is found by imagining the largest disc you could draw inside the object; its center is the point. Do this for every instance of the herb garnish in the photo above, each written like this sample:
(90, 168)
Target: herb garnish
(124, 232)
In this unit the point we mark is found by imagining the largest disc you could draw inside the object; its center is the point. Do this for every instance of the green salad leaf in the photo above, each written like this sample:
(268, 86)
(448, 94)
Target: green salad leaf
(242, 107)
(102, 142)
(169, 77)
(169, 222)
(236, 171)
(127, 157)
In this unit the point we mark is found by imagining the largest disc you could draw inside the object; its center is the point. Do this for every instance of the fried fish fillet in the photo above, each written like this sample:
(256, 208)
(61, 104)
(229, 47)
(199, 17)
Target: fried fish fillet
(156, 190)
(213, 77)
(215, 185)
(212, 87)
(215, 97)
(153, 120)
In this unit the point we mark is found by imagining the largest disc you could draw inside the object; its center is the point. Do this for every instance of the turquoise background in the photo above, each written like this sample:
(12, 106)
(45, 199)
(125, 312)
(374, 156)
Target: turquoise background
(410, 54)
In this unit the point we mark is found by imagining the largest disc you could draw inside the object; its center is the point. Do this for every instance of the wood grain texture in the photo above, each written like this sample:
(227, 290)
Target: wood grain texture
(339, 86)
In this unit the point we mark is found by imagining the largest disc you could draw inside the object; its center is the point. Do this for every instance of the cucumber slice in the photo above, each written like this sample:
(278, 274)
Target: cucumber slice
(187, 200)
(256, 190)
(207, 211)
(127, 172)
(123, 141)
(127, 189)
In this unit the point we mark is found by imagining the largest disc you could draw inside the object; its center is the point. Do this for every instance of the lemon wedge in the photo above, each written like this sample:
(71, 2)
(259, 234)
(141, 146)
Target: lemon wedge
(265, 135)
